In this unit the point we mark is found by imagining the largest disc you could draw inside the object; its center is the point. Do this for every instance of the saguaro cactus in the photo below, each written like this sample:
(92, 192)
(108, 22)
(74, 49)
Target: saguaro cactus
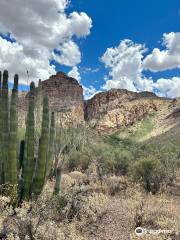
(5, 125)
(50, 156)
(40, 175)
(13, 126)
(29, 163)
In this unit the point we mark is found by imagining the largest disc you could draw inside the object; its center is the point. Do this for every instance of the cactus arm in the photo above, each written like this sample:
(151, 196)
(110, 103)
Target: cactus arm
(5, 125)
(13, 126)
(40, 174)
(28, 164)
(50, 156)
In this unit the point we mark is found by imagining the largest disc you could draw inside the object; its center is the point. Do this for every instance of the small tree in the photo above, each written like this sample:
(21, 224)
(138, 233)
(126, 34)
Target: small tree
(67, 139)
(149, 172)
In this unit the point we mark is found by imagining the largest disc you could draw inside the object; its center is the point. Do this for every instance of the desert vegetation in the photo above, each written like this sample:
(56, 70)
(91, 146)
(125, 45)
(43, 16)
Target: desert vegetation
(58, 181)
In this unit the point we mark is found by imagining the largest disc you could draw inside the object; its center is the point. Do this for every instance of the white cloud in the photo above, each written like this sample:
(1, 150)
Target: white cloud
(69, 54)
(168, 87)
(125, 64)
(39, 27)
(13, 58)
(75, 73)
(90, 70)
(160, 60)
(89, 92)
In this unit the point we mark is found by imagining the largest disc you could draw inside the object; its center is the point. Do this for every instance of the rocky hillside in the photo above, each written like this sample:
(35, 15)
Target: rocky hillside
(116, 108)
(106, 111)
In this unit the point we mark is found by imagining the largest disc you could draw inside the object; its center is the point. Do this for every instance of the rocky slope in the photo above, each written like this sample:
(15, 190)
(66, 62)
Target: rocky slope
(116, 108)
(106, 111)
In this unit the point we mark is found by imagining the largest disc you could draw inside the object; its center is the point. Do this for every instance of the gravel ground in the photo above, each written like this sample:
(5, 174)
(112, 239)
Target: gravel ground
(115, 224)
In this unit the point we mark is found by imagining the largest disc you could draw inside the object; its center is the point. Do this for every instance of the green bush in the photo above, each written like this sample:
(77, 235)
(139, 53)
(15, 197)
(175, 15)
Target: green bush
(149, 172)
(122, 161)
(78, 161)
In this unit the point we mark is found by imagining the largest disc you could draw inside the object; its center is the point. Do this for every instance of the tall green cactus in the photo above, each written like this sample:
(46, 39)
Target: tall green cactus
(13, 126)
(34, 173)
(40, 174)
(29, 164)
(5, 125)
(38, 116)
(1, 160)
(50, 156)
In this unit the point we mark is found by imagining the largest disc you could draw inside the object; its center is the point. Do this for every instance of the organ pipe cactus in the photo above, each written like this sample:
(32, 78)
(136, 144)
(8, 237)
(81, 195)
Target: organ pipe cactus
(1, 162)
(50, 156)
(13, 126)
(40, 175)
(33, 173)
(29, 164)
(5, 126)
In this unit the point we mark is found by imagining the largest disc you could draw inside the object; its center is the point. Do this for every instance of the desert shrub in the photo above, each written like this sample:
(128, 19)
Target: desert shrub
(79, 177)
(122, 161)
(93, 207)
(66, 216)
(79, 160)
(115, 184)
(149, 172)
(167, 152)
(153, 213)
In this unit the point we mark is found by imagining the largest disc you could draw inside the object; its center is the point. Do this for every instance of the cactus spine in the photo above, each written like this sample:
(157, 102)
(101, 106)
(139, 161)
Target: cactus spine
(13, 125)
(5, 125)
(38, 182)
(28, 165)
(50, 157)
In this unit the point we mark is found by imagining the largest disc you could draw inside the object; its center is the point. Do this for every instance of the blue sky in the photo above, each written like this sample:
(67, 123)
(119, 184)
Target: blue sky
(81, 31)
(138, 20)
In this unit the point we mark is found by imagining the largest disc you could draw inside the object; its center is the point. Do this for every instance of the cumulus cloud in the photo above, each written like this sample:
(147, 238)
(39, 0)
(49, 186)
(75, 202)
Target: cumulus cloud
(68, 54)
(168, 87)
(13, 58)
(169, 58)
(39, 27)
(75, 73)
(126, 65)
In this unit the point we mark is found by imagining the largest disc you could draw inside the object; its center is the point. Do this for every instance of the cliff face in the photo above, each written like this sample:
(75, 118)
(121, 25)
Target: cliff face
(116, 108)
(65, 98)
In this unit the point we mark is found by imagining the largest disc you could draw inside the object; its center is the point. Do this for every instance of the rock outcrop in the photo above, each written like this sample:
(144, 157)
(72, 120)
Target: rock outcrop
(106, 111)
(116, 108)
(65, 98)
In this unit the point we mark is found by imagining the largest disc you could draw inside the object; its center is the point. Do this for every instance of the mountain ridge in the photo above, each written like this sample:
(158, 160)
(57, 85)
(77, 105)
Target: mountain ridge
(105, 112)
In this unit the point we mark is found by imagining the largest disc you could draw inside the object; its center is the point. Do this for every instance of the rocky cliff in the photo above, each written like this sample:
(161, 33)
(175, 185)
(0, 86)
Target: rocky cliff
(65, 98)
(106, 111)
(116, 108)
